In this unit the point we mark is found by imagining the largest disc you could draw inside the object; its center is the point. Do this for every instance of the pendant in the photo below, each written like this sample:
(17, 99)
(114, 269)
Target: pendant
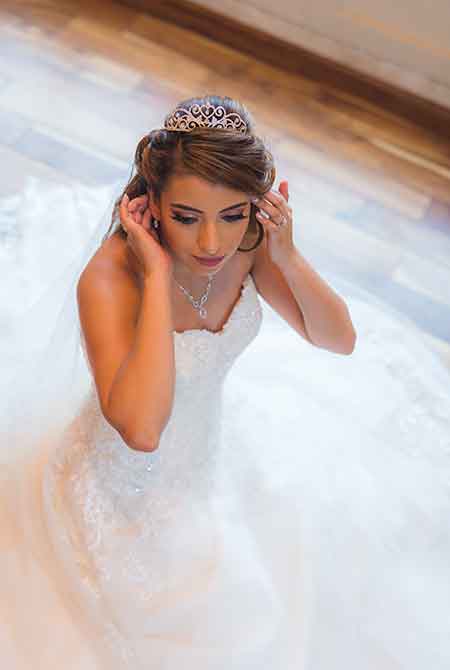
(202, 312)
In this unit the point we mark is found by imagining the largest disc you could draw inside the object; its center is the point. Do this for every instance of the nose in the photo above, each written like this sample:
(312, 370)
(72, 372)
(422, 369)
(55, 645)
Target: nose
(208, 239)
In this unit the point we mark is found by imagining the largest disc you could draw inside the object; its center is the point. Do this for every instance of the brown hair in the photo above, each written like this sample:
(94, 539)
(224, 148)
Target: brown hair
(221, 156)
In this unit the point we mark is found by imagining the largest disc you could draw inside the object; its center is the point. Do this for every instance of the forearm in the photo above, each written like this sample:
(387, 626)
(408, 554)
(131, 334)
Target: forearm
(141, 396)
(326, 315)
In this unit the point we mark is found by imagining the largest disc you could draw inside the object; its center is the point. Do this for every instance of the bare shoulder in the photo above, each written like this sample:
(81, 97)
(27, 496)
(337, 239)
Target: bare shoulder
(110, 275)
(108, 305)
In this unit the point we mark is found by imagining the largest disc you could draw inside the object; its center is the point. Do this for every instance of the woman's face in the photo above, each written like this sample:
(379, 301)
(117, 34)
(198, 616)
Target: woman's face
(200, 219)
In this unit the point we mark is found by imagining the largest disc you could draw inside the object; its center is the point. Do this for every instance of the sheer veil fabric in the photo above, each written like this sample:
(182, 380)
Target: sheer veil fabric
(50, 231)
(338, 465)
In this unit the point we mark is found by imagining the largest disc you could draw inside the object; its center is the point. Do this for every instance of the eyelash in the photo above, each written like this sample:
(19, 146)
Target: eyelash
(189, 220)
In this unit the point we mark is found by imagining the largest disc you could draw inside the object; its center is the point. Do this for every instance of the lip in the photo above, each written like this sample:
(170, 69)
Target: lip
(209, 261)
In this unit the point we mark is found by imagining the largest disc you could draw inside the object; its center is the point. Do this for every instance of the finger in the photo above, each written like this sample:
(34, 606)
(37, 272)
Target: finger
(267, 223)
(275, 197)
(277, 200)
(124, 205)
(283, 189)
(269, 208)
(274, 208)
(139, 201)
(154, 234)
(146, 219)
(138, 214)
(269, 203)
(127, 225)
(125, 216)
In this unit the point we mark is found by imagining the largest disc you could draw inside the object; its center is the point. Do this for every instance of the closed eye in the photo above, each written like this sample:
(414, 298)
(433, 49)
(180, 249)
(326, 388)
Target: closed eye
(189, 220)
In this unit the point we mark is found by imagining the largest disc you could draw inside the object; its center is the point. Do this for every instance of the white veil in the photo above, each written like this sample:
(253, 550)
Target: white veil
(49, 233)
(45, 373)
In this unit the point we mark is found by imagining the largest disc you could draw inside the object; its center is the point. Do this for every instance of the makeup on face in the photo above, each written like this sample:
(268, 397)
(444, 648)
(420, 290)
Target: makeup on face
(190, 220)
(208, 261)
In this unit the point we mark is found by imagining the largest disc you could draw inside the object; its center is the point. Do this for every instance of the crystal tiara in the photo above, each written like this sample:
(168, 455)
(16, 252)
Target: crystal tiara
(204, 116)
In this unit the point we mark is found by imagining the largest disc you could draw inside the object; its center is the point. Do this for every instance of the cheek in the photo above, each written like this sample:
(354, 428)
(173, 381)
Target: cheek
(175, 236)
(239, 230)
(244, 228)
(232, 235)
(180, 238)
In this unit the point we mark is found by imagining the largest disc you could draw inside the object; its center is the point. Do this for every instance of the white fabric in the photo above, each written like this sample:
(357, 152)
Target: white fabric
(295, 515)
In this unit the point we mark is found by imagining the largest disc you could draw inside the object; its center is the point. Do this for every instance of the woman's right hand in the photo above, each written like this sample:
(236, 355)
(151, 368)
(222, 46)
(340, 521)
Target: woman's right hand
(142, 239)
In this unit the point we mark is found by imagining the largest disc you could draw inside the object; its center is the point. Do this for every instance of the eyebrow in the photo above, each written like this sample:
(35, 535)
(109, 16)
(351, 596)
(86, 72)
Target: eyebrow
(193, 209)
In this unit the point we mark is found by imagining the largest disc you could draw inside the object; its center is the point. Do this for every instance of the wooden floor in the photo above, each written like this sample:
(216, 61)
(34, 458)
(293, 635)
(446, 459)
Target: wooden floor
(82, 81)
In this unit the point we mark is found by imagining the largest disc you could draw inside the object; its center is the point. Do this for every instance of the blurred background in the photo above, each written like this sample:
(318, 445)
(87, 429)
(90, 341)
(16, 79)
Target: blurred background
(352, 98)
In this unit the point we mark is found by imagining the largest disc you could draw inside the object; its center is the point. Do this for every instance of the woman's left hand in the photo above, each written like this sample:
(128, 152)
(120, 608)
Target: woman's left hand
(278, 223)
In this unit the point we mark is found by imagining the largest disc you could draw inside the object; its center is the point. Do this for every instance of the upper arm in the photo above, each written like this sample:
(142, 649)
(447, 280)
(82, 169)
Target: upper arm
(107, 317)
(275, 290)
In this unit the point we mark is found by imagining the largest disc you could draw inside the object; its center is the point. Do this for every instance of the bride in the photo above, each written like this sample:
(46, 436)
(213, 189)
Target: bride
(164, 507)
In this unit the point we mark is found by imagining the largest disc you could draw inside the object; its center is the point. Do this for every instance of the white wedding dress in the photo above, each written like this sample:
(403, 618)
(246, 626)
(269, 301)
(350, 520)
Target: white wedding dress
(294, 517)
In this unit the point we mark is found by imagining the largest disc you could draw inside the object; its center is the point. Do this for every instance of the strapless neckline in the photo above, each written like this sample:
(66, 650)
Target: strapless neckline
(248, 279)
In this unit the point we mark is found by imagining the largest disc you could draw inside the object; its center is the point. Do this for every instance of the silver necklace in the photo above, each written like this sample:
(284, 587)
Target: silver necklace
(198, 304)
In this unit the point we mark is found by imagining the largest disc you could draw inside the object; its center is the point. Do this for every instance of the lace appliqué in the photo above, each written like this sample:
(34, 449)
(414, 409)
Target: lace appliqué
(117, 504)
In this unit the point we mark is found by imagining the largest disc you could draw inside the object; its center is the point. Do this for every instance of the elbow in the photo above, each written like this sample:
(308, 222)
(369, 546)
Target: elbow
(145, 442)
(348, 352)
(137, 443)
(348, 336)
(350, 346)
(344, 348)
(349, 341)
(141, 443)
(144, 446)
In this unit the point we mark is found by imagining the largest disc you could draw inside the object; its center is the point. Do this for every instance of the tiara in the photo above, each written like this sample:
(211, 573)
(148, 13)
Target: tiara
(204, 116)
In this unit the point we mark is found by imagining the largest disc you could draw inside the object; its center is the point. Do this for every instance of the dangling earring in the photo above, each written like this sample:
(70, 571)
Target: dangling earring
(155, 223)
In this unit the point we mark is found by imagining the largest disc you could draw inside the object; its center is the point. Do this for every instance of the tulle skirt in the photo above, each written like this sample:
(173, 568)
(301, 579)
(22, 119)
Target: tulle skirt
(334, 498)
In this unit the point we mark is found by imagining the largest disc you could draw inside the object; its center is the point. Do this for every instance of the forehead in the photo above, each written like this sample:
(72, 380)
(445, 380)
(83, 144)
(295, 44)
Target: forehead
(194, 188)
